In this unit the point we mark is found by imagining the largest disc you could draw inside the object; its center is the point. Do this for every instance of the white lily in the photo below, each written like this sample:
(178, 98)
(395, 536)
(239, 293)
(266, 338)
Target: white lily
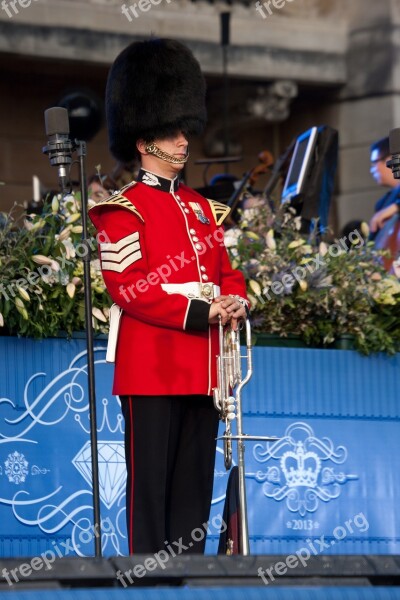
(98, 314)
(364, 229)
(71, 288)
(19, 303)
(296, 244)
(323, 248)
(73, 218)
(23, 293)
(39, 259)
(55, 205)
(303, 285)
(255, 286)
(55, 266)
(64, 233)
(270, 240)
(67, 251)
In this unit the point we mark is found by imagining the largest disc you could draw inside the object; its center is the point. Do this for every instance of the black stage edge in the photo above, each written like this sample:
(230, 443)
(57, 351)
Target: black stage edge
(66, 572)
(198, 571)
(244, 571)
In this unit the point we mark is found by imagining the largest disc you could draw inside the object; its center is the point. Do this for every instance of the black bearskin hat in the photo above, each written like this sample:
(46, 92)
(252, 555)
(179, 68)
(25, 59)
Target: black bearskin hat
(154, 89)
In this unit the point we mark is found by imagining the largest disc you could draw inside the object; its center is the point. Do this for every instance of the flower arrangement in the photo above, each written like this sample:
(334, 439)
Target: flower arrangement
(41, 273)
(296, 284)
(300, 285)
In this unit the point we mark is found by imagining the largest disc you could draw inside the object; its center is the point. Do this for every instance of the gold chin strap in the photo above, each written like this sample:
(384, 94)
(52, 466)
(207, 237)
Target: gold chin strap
(153, 149)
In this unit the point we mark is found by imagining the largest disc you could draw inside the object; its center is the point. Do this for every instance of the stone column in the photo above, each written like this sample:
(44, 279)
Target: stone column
(368, 107)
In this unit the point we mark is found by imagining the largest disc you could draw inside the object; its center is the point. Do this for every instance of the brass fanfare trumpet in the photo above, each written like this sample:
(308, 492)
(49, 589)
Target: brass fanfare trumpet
(231, 379)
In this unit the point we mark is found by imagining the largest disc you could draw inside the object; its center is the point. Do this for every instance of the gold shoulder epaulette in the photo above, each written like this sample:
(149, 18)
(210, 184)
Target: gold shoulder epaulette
(117, 199)
(127, 186)
(219, 210)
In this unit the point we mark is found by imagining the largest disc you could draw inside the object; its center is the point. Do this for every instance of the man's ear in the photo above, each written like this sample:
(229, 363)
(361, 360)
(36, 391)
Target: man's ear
(141, 146)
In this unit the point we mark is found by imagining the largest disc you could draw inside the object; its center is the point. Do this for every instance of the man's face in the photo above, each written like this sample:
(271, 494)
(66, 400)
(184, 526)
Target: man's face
(176, 145)
(379, 171)
(97, 192)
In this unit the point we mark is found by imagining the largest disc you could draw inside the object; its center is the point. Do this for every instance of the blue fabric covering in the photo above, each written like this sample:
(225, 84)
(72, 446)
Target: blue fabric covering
(330, 474)
(230, 593)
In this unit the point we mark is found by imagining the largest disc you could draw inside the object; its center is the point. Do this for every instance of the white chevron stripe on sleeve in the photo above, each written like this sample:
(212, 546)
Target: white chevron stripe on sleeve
(121, 254)
(119, 267)
(115, 247)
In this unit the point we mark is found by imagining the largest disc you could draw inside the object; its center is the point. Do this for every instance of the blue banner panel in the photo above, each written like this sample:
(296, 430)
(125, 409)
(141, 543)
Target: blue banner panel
(332, 471)
(328, 484)
(326, 383)
(45, 456)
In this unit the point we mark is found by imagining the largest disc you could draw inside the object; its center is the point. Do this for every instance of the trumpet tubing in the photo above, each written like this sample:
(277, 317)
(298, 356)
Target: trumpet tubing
(228, 403)
(231, 379)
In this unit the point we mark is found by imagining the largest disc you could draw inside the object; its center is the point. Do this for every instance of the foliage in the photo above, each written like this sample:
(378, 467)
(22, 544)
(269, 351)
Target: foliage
(296, 284)
(41, 273)
(319, 291)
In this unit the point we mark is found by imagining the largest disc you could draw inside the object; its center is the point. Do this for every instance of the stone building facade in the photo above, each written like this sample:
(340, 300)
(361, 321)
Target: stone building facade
(291, 64)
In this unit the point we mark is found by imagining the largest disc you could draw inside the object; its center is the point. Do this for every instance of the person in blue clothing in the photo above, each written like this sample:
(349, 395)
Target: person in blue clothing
(389, 204)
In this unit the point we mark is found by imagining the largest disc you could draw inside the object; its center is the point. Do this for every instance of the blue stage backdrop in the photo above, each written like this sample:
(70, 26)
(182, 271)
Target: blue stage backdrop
(328, 485)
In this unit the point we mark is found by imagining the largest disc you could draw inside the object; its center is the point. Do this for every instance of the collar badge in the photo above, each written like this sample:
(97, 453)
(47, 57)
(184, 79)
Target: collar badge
(150, 179)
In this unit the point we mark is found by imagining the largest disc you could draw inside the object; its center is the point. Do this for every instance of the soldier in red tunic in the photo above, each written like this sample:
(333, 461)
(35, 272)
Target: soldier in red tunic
(166, 268)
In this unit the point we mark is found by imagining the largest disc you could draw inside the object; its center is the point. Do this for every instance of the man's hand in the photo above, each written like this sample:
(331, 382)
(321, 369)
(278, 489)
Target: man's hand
(229, 308)
(216, 310)
(379, 219)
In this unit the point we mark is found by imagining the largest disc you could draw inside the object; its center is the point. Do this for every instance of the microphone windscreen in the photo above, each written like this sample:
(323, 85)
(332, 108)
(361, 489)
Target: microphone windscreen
(394, 141)
(56, 121)
(225, 29)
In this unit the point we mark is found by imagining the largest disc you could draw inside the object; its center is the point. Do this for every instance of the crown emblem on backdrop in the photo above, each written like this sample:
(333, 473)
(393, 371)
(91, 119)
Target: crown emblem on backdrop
(300, 467)
(299, 475)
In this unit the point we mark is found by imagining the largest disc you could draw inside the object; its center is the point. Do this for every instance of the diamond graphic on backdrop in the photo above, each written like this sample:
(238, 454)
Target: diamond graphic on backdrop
(112, 470)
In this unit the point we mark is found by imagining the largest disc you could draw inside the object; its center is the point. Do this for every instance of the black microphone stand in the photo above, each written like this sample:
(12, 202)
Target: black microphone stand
(60, 155)
(225, 39)
(87, 286)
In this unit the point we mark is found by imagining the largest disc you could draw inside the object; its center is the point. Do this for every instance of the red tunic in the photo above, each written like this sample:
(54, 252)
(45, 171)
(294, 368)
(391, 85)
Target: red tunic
(159, 232)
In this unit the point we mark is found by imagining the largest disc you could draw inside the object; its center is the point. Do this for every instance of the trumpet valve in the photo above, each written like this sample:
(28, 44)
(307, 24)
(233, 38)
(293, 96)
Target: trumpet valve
(230, 408)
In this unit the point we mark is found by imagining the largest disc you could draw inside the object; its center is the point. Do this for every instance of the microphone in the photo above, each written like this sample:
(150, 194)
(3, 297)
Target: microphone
(59, 147)
(225, 28)
(394, 144)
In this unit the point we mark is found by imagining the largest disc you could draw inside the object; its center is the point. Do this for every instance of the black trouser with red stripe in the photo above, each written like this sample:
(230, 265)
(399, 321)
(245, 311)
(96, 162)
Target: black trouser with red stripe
(170, 455)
